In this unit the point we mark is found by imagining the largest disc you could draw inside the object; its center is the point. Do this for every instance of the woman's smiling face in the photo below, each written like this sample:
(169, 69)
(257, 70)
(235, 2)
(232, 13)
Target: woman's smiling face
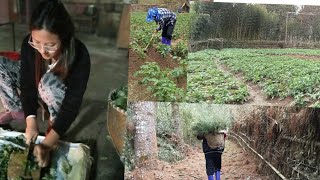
(48, 44)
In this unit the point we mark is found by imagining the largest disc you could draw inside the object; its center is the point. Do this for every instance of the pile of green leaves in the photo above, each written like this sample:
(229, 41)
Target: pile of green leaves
(7, 149)
(5, 153)
(120, 96)
(159, 82)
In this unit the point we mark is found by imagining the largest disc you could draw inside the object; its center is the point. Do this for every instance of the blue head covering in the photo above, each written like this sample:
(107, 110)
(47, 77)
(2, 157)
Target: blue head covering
(152, 12)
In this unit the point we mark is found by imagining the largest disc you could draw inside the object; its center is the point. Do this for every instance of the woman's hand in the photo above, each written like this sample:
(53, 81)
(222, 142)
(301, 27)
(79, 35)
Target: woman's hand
(42, 151)
(42, 154)
(32, 130)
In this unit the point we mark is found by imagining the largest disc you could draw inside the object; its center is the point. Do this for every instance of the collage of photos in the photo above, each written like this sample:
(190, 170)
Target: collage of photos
(159, 90)
(250, 109)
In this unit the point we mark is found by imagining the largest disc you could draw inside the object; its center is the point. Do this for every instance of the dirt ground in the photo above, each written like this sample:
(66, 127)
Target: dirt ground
(236, 164)
(137, 91)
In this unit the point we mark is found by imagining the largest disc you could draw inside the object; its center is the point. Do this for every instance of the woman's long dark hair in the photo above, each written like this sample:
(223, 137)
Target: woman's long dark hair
(52, 16)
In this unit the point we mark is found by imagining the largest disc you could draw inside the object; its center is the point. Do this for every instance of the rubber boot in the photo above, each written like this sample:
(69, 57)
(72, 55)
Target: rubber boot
(217, 173)
(164, 40)
(168, 42)
(210, 177)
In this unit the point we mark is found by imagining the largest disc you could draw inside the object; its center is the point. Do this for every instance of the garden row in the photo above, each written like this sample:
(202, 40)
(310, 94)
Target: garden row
(280, 73)
(207, 83)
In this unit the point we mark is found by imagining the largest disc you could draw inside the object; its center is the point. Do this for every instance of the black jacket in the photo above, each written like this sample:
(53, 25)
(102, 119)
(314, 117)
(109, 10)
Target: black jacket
(76, 83)
(207, 149)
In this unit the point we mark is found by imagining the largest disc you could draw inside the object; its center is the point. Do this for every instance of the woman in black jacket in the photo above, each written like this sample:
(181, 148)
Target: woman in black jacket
(54, 69)
(212, 153)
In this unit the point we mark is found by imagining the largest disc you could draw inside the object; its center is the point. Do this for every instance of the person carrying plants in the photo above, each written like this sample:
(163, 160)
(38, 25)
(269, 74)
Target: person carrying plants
(213, 147)
(54, 69)
(166, 20)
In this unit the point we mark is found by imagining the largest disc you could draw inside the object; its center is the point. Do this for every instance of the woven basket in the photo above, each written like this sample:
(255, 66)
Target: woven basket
(215, 140)
(116, 124)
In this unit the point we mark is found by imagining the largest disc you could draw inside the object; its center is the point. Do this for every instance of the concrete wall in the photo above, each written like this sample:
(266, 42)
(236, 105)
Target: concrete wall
(4, 11)
(109, 14)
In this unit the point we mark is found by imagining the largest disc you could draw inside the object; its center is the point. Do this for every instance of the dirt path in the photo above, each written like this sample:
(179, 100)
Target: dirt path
(236, 164)
(256, 96)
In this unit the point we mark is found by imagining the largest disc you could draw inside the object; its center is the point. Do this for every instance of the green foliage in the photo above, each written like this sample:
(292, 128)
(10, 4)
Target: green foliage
(207, 83)
(249, 21)
(120, 96)
(167, 151)
(5, 152)
(180, 50)
(138, 49)
(178, 72)
(159, 82)
(200, 27)
(206, 126)
(278, 74)
(7, 149)
(188, 119)
(141, 32)
(164, 124)
(163, 49)
(209, 118)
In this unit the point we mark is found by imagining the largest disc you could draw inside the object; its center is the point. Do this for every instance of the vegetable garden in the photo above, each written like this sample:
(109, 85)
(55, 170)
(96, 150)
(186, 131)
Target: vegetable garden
(157, 72)
(280, 73)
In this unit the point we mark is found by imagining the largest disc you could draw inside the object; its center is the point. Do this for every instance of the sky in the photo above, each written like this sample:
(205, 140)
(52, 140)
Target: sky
(292, 2)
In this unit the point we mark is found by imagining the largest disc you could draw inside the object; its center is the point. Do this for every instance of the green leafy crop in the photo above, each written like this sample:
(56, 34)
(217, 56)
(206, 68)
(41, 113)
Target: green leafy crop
(160, 82)
(120, 96)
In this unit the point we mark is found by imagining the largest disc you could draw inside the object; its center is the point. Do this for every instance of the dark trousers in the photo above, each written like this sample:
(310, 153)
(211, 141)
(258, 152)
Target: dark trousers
(167, 31)
(213, 162)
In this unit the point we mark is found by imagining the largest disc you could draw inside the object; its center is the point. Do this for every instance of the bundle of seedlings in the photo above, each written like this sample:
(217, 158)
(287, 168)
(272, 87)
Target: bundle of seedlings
(212, 129)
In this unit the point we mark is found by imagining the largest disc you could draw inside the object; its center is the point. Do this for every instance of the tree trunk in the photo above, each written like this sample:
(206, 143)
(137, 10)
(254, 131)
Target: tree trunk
(177, 122)
(145, 140)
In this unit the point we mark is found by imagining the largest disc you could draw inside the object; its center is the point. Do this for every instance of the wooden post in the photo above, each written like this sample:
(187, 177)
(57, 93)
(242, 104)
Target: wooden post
(124, 28)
